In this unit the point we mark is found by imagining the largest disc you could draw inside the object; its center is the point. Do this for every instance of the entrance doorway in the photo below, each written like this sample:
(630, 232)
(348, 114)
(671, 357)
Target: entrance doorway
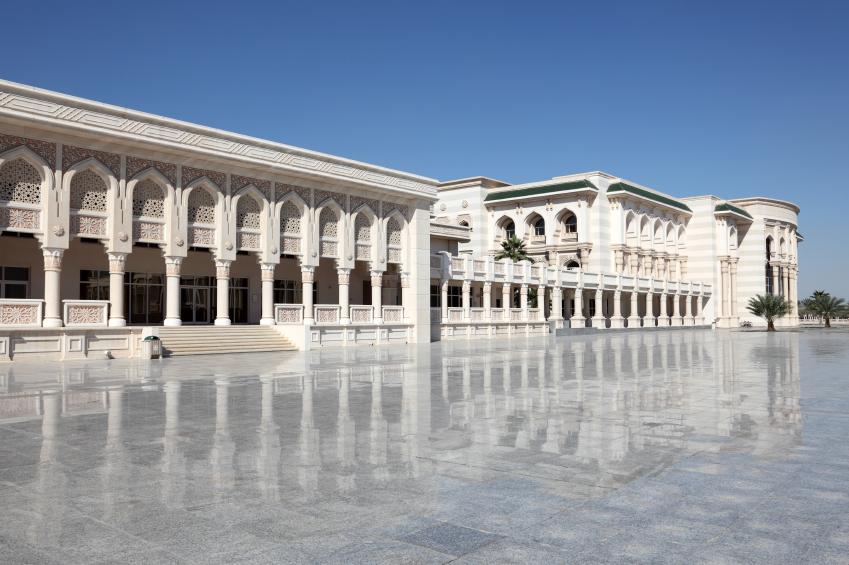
(196, 300)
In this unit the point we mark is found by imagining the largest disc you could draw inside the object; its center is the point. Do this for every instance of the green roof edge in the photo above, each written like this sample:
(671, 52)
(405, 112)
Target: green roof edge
(625, 187)
(726, 207)
(537, 190)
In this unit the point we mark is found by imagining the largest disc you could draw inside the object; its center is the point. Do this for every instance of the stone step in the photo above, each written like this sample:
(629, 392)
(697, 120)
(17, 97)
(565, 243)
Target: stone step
(205, 340)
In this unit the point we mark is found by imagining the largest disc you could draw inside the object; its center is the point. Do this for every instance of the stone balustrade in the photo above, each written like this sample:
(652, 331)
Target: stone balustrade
(21, 313)
(289, 313)
(77, 313)
(327, 313)
(362, 314)
(393, 314)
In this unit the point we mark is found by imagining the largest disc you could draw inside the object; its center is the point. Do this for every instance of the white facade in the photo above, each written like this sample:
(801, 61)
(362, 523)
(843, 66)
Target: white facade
(112, 218)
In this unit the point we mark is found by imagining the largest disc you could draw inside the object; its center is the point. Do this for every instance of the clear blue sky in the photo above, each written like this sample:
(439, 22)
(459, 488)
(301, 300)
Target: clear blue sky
(729, 98)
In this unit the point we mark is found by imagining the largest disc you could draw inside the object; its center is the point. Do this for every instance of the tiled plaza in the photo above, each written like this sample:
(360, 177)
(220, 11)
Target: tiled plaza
(690, 446)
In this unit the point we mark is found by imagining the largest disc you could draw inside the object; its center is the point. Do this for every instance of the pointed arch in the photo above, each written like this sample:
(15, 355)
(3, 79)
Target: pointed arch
(395, 228)
(250, 218)
(364, 233)
(25, 183)
(329, 221)
(567, 224)
(150, 196)
(670, 236)
(657, 239)
(292, 222)
(505, 227)
(645, 230)
(682, 238)
(203, 204)
(732, 238)
(535, 227)
(91, 189)
(632, 237)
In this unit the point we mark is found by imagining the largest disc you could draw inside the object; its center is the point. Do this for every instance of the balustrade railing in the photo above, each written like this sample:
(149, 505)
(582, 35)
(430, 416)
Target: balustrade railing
(500, 268)
(534, 315)
(362, 314)
(21, 313)
(480, 266)
(516, 315)
(85, 312)
(476, 314)
(455, 314)
(458, 264)
(393, 314)
(289, 313)
(497, 314)
(326, 313)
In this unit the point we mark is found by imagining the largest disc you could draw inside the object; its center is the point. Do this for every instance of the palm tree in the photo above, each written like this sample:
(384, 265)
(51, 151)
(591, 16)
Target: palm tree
(769, 306)
(825, 306)
(513, 248)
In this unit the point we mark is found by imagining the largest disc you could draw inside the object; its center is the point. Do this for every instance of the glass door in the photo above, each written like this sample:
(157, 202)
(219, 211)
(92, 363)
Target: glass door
(194, 304)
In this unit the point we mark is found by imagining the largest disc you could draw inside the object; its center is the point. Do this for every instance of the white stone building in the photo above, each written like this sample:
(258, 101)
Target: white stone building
(113, 222)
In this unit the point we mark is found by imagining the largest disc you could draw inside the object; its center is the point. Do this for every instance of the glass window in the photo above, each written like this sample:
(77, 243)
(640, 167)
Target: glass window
(435, 296)
(94, 285)
(287, 292)
(509, 230)
(539, 227)
(455, 296)
(14, 282)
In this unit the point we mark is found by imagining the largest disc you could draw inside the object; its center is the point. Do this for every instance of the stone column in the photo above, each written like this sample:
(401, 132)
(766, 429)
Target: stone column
(377, 295)
(578, 320)
(467, 300)
(786, 280)
(634, 316)
(733, 295)
(222, 295)
(725, 310)
(444, 300)
(541, 302)
(598, 319)
(688, 310)
(775, 287)
(307, 280)
(617, 321)
(407, 297)
(523, 300)
(663, 320)
(506, 300)
(794, 296)
(556, 304)
(634, 258)
(487, 301)
(619, 255)
(117, 262)
(267, 278)
(173, 266)
(52, 287)
(699, 319)
(344, 277)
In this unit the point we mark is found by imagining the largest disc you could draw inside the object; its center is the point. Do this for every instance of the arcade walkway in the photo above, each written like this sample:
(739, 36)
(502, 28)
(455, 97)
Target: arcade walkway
(681, 447)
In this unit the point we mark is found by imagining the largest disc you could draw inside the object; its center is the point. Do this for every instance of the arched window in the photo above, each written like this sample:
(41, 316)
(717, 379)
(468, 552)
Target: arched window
(464, 223)
(393, 240)
(328, 231)
(148, 212)
(201, 214)
(768, 268)
(570, 225)
(509, 229)
(362, 236)
(290, 229)
(572, 265)
(248, 223)
(89, 199)
(539, 227)
(20, 182)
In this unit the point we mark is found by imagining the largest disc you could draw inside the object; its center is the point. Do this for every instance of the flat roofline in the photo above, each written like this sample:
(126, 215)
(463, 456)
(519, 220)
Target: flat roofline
(113, 111)
(472, 180)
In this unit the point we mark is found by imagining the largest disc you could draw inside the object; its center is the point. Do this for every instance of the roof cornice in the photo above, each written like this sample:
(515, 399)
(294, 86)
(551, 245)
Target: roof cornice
(631, 190)
(538, 189)
(53, 109)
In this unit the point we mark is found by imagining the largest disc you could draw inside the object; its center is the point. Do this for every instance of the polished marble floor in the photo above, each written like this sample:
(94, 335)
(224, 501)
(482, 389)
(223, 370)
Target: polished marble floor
(681, 447)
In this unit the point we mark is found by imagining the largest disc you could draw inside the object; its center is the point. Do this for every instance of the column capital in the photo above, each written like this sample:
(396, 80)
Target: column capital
(307, 274)
(405, 280)
(53, 258)
(117, 262)
(344, 275)
(267, 271)
(173, 266)
(222, 269)
(376, 278)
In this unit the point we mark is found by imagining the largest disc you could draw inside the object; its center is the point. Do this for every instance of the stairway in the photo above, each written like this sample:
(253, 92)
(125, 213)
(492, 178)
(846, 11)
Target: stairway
(204, 340)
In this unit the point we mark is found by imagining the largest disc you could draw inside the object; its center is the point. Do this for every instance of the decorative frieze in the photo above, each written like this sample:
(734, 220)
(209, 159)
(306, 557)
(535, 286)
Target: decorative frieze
(88, 226)
(72, 155)
(20, 313)
(85, 312)
(43, 149)
(135, 165)
(148, 231)
(201, 237)
(191, 174)
(238, 182)
(20, 218)
(248, 241)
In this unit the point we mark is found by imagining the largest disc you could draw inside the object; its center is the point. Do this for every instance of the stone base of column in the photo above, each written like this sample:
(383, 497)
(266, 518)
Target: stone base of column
(52, 323)
(689, 321)
(577, 322)
(599, 322)
(632, 322)
(117, 322)
(172, 322)
(266, 321)
(677, 321)
(617, 322)
(222, 321)
(664, 322)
